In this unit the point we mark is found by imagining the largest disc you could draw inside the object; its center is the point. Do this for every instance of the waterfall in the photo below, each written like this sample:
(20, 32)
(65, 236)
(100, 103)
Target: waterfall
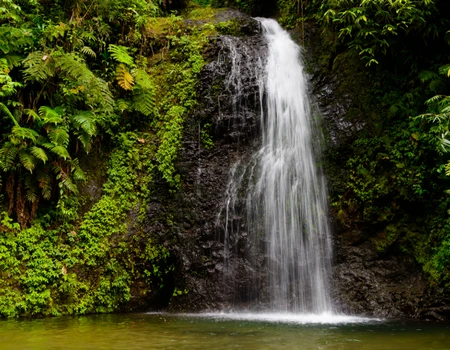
(281, 190)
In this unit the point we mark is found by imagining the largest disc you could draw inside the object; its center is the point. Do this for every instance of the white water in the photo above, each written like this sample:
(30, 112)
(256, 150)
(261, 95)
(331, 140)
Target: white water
(286, 195)
(286, 318)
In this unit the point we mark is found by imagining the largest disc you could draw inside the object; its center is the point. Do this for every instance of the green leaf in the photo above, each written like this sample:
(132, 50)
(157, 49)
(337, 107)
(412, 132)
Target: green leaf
(39, 153)
(28, 160)
(59, 137)
(24, 133)
(120, 54)
(61, 152)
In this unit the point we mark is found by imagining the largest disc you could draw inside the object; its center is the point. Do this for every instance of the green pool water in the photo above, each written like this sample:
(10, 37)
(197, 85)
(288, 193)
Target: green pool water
(163, 331)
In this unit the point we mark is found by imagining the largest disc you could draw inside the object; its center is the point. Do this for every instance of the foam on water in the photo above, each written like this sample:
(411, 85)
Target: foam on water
(325, 318)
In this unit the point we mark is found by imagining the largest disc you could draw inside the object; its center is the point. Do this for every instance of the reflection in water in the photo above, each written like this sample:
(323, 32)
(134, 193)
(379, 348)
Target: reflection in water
(163, 331)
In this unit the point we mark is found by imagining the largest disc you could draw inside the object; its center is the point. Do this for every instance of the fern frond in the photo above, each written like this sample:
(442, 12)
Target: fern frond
(38, 66)
(86, 50)
(88, 36)
(32, 191)
(45, 183)
(96, 89)
(445, 70)
(427, 75)
(124, 78)
(100, 94)
(24, 133)
(85, 140)
(74, 66)
(32, 114)
(120, 54)
(47, 145)
(123, 105)
(13, 60)
(9, 114)
(59, 137)
(27, 160)
(8, 155)
(51, 116)
(78, 173)
(85, 120)
(69, 184)
(61, 151)
(144, 93)
(434, 99)
(39, 153)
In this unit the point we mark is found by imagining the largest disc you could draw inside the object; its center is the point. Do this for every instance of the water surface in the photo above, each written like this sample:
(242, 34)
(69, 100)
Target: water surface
(163, 331)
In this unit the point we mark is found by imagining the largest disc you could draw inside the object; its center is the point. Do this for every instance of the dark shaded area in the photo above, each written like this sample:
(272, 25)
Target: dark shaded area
(261, 8)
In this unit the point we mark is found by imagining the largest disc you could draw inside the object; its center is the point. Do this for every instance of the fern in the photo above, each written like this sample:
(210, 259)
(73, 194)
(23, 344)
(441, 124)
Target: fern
(78, 173)
(144, 93)
(38, 66)
(59, 137)
(121, 55)
(39, 153)
(51, 116)
(24, 133)
(85, 120)
(13, 60)
(85, 123)
(45, 182)
(100, 93)
(32, 193)
(86, 50)
(61, 151)
(8, 154)
(8, 113)
(27, 160)
(124, 78)
(96, 89)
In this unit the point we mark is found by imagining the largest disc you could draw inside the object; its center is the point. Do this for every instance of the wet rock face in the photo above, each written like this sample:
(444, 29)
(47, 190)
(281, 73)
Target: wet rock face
(364, 282)
(389, 285)
(228, 112)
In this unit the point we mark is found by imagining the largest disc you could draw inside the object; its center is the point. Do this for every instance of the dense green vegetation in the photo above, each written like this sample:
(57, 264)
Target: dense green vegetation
(94, 95)
(395, 59)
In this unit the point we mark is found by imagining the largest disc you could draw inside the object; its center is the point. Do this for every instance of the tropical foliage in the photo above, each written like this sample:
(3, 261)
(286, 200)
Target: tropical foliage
(94, 96)
(89, 92)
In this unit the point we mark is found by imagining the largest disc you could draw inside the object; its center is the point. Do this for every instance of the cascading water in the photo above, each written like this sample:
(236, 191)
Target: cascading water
(284, 193)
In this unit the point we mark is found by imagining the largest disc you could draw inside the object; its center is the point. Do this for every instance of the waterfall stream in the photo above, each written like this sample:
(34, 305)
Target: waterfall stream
(282, 193)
